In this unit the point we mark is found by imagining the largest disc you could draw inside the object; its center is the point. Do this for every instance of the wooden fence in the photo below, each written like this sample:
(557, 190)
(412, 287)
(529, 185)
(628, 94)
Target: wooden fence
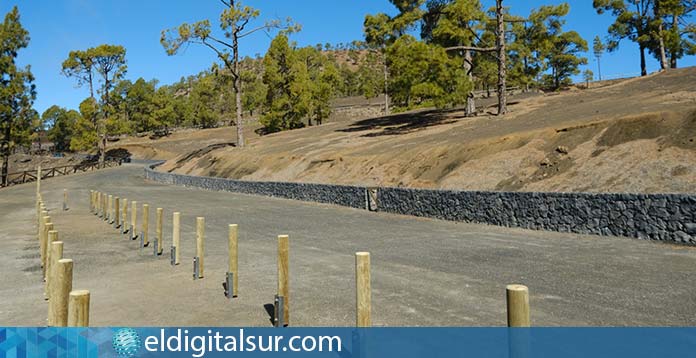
(29, 176)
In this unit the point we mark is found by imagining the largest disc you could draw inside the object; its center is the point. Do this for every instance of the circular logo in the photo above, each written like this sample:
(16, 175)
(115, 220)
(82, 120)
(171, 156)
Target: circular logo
(126, 342)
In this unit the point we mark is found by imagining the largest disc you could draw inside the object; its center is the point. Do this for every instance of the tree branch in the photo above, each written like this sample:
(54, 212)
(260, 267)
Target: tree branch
(241, 27)
(471, 48)
(218, 52)
(220, 42)
(264, 27)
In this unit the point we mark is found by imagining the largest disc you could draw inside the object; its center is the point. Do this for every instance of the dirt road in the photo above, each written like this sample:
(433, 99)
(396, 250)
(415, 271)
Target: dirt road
(425, 272)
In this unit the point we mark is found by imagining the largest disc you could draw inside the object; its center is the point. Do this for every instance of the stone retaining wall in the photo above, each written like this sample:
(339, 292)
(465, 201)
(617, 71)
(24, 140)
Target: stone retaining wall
(664, 217)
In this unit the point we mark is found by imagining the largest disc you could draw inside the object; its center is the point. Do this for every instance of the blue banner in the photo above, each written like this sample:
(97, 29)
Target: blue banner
(348, 342)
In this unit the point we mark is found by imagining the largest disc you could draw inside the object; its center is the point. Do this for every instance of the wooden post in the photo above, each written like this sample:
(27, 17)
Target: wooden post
(517, 306)
(234, 258)
(124, 217)
(104, 202)
(58, 305)
(284, 275)
(109, 208)
(363, 290)
(52, 237)
(78, 309)
(65, 199)
(44, 240)
(160, 247)
(146, 219)
(134, 218)
(38, 181)
(200, 244)
(56, 255)
(176, 236)
(39, 203)
(39, 223)
(117, 211)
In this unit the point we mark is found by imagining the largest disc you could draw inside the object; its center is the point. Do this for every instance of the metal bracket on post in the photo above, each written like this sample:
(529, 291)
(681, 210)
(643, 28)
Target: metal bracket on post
(142, 241)
(133, 235)
(65, 206)
(278, 312)
(196, 268)
(172, 256)
(229, 285)
(124, 229)
(155, 248)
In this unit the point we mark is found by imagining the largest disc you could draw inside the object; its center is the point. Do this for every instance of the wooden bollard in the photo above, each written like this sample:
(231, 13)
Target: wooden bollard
(44, 240)
(56, 249)
(104, 205)
(117, 212)
(65, 199)
(158, 231)
(78, 309)
(363, 290)
(134, 219)
(58, 305)
(38, 181)
(146, 221)
(517, 306)
(38, 213)
(200, 244)
(124, 217)
(109, 208)
(96, 202)
(52, 237)
(233, 248)
(48, 227)
(284, 275)
(176, 237)
(41, 221)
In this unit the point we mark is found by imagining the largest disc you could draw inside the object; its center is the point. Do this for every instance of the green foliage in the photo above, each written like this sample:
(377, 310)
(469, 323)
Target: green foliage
(17, 91)
(588, 75)
(84, 135)
(202, 94)
(80, 65)
(299, 85)
(61, 123)
(282, 112)
(564, 58)
(424, 75)
(234, 20)
(598, 47)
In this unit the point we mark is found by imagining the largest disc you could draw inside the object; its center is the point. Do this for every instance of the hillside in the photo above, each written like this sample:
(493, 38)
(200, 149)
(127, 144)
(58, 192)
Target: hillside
(638, 135)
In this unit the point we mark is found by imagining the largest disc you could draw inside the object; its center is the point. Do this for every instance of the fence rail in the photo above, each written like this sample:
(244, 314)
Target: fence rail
(29, 176)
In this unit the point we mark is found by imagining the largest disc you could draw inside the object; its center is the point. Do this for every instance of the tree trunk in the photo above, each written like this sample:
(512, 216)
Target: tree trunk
(673, 54)
(470, 100)
(5, 149)
(643, 67)
(502, 70)
(663, 54)
(91, 84)
(599, 67)
(387, 111)
(237, 83)
(240, 125)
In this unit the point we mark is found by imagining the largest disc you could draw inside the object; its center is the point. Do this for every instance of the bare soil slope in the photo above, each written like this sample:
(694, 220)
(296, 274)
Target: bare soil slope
(635, 136)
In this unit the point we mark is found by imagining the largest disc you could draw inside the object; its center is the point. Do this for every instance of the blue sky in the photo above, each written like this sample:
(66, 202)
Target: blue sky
(58, 26)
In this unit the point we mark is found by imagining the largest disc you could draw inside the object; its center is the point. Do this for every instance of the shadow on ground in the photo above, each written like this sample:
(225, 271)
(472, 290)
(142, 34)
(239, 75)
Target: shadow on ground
(403, 123)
